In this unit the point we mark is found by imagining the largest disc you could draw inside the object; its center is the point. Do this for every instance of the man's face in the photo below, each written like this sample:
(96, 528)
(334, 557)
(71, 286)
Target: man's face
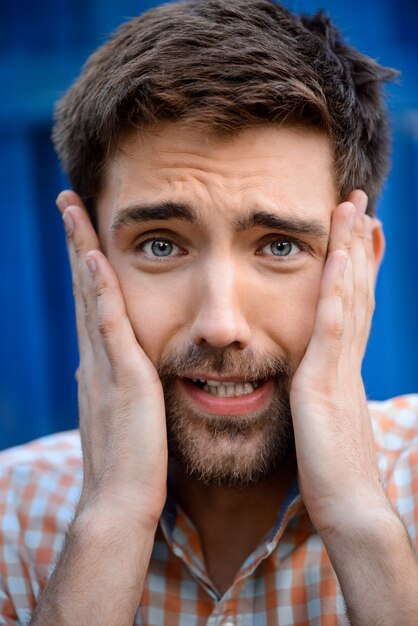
(219, 247)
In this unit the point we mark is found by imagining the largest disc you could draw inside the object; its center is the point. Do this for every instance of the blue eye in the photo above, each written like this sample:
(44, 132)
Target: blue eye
(160, 248)
(281, 248)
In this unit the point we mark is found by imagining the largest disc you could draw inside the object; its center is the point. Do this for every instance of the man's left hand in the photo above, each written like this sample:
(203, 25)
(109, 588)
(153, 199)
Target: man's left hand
(337, 466)
(336, 457)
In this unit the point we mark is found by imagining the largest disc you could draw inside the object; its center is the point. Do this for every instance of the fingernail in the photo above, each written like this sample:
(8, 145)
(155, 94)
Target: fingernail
(68, 223)
(62, 201)
(91, 264)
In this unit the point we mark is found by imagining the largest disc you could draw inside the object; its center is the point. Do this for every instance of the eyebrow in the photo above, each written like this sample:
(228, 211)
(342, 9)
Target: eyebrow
(165, 211)
(162, 211)
(291, 224)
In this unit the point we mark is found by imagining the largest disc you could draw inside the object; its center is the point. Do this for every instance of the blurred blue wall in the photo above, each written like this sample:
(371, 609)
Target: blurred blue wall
(42, 47)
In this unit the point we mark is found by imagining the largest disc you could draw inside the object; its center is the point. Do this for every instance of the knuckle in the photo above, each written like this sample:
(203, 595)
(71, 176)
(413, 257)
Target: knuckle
(346, 243)
(78, 246)
(85, 302)
(333, 322)
(338, 289)
(107, 317)
(86, 307)
(101, 289)
(335, 330)
(107, 324)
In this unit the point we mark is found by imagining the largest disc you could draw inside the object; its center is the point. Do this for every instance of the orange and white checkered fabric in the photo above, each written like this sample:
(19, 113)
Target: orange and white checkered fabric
(287, 581)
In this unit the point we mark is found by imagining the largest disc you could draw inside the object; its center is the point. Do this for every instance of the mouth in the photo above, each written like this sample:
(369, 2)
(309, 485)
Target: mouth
(227, 396)
(225, 389)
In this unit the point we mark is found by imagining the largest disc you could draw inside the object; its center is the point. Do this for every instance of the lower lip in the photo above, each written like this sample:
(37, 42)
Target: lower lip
(237, 405)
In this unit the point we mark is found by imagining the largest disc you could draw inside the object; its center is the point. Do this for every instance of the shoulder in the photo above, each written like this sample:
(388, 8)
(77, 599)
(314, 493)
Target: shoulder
(44, 474)
(395, 423)
(40, 484)
(48, 451)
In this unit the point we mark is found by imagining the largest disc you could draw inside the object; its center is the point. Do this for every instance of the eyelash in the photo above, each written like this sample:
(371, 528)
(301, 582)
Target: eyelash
(283, 239)
(165, 240)
(139, 246)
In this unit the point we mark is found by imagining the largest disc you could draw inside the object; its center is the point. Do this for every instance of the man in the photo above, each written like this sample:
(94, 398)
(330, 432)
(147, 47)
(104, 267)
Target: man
(226, 158)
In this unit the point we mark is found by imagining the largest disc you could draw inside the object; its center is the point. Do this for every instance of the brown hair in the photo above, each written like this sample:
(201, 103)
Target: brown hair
(223, 66)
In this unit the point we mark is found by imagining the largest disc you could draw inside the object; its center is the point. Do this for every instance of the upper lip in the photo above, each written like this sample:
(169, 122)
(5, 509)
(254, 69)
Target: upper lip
(221, 379)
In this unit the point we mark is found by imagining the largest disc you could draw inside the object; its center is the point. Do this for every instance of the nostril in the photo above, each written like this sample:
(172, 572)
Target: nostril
(220, 328)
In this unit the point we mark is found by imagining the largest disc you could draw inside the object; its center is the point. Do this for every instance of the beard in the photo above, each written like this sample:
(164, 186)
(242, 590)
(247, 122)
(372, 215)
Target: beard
(228, 450)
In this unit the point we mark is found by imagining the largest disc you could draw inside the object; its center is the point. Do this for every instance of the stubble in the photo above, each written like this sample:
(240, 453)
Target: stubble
(228, 450)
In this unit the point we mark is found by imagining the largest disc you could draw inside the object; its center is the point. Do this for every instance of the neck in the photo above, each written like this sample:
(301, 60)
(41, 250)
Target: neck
(231, 521)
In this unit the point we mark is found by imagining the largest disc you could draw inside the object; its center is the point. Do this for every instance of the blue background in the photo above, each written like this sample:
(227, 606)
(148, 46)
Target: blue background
(42, 47)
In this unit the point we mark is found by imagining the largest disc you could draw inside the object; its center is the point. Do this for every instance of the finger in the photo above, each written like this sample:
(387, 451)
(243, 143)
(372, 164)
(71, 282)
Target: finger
(342, 222)
(126, 357)
(372, 227)
(327, 339)
(81, 238)
(359, 199)
(67, 198)
(362, 266)
(71, 207)
(341, 236)
(363, 281)
(347, 233)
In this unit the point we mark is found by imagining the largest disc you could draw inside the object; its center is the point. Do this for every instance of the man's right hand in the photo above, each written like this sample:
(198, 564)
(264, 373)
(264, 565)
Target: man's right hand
(121, 403)
(124, 444)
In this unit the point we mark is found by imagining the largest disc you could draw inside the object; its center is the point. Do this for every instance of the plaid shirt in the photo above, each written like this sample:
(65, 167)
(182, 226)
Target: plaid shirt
(287, 580)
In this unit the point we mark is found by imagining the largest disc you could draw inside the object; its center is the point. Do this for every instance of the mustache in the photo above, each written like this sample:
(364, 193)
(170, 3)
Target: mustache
(224, 362)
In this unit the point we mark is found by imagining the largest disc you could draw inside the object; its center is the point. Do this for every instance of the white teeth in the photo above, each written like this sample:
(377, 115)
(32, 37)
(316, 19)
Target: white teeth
(239, 389)
(228, 390)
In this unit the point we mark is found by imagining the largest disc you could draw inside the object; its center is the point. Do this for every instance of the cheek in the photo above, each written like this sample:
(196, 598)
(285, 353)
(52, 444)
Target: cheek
(156, 308)
(280, 309)
(287, 306)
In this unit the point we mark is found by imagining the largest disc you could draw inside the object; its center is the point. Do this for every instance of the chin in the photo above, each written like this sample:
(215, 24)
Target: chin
(221, 430)
(228, 450)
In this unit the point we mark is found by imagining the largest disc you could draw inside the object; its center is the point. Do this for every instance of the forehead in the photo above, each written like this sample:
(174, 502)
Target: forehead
(269, 167)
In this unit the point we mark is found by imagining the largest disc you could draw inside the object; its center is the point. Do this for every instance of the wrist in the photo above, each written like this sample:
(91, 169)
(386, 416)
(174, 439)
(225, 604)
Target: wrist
(374, 540)
(375, 547)
(123, 506)
(83, 588)
(104, 517)
(363, 513)
(364, 524)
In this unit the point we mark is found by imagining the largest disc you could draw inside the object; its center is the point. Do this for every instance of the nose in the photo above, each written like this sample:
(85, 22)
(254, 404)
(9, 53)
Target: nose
(220, 319)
